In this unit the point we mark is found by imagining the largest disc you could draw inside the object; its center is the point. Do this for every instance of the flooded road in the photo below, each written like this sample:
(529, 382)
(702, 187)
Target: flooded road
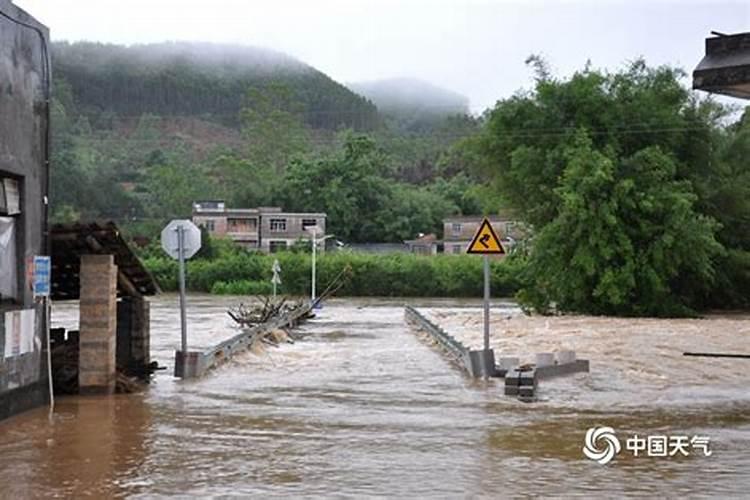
(363, 406)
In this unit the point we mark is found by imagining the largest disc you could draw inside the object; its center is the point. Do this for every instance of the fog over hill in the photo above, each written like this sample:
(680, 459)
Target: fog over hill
(199, 79)
(410, 95)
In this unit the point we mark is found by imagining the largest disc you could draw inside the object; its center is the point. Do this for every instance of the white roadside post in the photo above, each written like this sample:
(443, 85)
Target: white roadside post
(314, 240)
(486, 302)
(276, 279)
(181, 239)
(314, 232)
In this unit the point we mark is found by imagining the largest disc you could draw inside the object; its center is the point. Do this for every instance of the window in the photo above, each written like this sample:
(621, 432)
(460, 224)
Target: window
(456, 228)
(8, 259)
(209, 225)
(10, 205)
(309, 223)
(242, 225)
(457, 249)
(276, 246)
(278, 225)
(10, 199)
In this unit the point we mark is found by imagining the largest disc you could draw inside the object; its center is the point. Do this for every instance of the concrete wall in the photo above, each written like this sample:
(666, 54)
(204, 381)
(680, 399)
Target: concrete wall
(23, 125)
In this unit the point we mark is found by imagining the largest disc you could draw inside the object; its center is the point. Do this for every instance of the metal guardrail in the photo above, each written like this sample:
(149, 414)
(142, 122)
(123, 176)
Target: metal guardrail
(196, 364)
(454, 348)
(519, 381)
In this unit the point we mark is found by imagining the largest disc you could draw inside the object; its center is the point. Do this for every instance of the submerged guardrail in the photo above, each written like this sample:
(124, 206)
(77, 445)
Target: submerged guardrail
(475, 363)
(521, 381)
(195, 364)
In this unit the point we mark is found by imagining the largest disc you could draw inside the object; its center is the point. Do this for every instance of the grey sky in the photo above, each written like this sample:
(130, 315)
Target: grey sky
(475, 47)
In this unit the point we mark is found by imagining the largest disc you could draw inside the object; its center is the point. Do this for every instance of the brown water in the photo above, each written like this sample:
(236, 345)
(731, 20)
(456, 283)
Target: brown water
(362, 406)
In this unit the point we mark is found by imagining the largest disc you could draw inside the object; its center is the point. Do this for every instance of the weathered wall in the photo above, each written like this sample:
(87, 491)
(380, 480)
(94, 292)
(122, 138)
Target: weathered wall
(23, 126)
(294, 231)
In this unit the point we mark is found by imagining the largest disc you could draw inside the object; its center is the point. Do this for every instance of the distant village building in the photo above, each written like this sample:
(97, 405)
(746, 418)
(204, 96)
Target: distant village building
(267, 229)
(424, 245)
(459, 230)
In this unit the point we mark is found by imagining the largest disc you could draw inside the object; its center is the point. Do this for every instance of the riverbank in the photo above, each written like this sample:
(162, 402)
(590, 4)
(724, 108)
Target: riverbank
(236, 272)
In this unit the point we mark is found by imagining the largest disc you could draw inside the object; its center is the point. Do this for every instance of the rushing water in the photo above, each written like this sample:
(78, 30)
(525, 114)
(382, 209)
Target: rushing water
(363, 406)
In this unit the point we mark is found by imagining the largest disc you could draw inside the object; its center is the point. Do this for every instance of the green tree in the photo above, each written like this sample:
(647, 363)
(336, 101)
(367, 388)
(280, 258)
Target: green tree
(273, 124)
(626, 239)
(638, 116)
(173, 189)
(348, 185)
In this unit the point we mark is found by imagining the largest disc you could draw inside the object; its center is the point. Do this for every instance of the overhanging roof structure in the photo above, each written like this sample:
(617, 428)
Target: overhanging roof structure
(725, 69)
(69, 242)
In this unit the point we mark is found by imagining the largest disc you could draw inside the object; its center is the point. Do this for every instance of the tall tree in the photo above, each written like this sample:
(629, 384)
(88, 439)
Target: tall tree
(626, 239)
(654, 251)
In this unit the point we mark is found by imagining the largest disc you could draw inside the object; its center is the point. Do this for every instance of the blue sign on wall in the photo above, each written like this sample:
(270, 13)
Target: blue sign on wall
(42, 275)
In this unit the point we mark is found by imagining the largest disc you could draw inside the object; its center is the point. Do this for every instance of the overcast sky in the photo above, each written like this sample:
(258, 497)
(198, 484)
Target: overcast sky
(474, 47)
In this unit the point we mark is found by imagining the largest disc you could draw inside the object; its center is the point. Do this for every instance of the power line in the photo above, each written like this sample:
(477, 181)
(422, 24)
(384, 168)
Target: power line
(522, 133)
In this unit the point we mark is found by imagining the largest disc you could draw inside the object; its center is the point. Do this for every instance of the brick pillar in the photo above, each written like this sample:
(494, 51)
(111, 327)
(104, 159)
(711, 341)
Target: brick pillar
(133, 336)
(141, 333)
(98, 324)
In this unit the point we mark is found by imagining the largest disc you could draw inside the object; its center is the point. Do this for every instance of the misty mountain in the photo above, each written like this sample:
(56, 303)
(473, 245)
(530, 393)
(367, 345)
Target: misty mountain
(407, 95)
(198, 79)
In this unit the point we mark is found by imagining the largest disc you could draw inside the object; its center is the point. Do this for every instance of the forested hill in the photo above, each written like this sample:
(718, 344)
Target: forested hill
(198, 79)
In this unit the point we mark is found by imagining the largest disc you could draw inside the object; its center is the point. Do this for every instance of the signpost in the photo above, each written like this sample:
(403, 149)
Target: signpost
(181, 239)
(486, 243)
(41, 278)
(41, 272)
(276, 280)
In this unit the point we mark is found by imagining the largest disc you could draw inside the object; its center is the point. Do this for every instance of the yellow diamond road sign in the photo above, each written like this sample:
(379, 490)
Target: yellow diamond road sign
(486, 240)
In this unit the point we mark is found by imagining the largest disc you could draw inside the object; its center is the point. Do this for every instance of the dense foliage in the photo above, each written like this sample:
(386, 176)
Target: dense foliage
(234, 271)
(637, 192)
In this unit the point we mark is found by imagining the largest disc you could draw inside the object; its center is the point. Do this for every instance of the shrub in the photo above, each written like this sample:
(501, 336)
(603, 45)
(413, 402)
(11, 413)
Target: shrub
(394, 275)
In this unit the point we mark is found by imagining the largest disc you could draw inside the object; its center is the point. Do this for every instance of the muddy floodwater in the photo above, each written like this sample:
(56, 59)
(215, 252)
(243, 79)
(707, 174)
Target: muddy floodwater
(363, 406)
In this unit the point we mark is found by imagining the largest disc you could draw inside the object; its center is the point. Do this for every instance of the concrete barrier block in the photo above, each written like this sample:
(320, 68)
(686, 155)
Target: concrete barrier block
(578, 366)
(513, 377)
(545, 359)
(507, 363)
(527, 391)
(565, 357)
(527, 378)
